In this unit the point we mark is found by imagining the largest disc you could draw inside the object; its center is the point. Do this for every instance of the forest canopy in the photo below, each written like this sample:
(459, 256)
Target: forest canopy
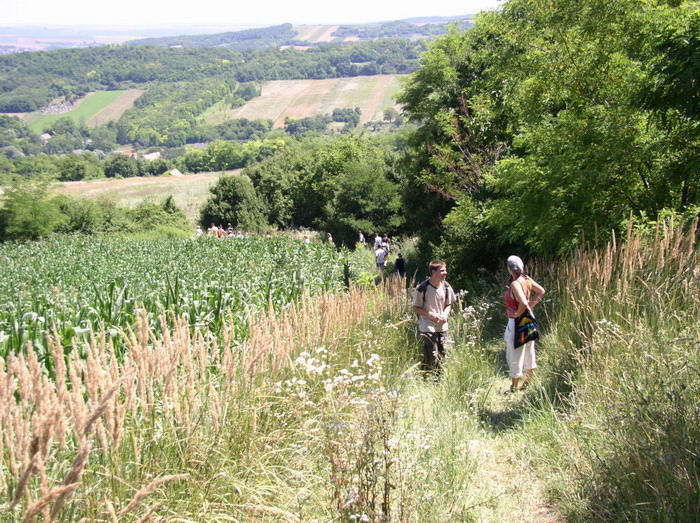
(550, 124)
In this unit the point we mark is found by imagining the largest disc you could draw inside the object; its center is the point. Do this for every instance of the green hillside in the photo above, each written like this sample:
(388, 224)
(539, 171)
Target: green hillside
(86, 109)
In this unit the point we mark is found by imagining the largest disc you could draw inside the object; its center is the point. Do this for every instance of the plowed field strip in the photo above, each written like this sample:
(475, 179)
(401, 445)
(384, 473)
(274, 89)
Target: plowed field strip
(116, 109)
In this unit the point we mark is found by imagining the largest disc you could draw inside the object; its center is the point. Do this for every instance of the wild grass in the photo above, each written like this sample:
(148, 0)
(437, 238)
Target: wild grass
(618, 407)
(304, 420)
(321, 413)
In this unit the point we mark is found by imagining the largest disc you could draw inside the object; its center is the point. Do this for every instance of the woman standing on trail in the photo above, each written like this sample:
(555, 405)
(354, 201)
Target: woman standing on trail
(517, 301)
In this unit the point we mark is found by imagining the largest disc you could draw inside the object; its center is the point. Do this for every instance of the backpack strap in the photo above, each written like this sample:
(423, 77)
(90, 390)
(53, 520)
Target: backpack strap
(423, 286)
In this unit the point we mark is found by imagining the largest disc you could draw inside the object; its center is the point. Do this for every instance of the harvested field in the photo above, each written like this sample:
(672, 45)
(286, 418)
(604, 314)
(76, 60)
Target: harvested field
(315, 33)
(302, 98)
(190, 191)
(116, 109)
(81, 111)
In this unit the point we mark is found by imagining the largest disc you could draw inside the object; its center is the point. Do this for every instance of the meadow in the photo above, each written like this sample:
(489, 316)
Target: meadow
(189, 191)
(315, 33)
(321, 413)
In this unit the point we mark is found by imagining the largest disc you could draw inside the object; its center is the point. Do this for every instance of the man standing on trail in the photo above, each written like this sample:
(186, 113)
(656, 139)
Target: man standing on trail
(432, 302)
(380, 256)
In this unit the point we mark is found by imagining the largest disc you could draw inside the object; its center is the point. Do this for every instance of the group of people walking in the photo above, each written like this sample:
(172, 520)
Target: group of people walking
(433, 300)
(381, 249)
(217, 231)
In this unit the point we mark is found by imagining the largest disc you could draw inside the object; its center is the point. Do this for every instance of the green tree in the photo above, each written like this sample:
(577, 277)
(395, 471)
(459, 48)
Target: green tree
(233, 200)
(121, 166)
(27, 213)
(73, 167)
(535, 117)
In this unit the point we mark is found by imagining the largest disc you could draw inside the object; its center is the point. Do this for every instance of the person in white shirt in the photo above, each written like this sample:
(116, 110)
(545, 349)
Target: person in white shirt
(432, 302)
(380, 255)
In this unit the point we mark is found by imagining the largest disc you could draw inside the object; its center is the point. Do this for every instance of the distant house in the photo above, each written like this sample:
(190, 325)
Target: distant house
(151, 156)
(46, 137)
(131, 154)
(175, 172)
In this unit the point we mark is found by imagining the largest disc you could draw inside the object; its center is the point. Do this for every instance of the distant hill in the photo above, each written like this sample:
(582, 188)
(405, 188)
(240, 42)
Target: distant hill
(286, 35)
(398, 29)
(259, 38)
(436, 19)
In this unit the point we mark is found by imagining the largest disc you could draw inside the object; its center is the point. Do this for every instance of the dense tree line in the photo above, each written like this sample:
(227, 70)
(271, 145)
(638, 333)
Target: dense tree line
(340, 185)
(551, 123)
(258, 38)
(168, 114)
(319, 122)
(29, 81)
(398, 29)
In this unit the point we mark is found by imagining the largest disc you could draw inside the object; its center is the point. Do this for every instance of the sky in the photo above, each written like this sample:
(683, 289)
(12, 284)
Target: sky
(226, 12)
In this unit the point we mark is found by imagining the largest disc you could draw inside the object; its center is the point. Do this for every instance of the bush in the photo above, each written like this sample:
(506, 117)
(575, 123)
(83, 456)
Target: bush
(234, 200)
(28, 214)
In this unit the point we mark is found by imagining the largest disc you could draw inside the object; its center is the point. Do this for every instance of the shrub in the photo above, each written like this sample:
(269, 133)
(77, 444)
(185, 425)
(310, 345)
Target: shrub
(234, 200)
(27, 214)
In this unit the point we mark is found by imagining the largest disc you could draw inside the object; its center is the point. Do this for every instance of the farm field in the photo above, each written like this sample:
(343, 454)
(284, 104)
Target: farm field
(316, 33)
(189, 191)
(302, 98)
(114, 111)
(76, 283)
(95, 109)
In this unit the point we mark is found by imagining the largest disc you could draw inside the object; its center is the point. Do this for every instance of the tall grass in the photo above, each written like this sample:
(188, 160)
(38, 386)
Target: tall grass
(246, 422)
(622, 366)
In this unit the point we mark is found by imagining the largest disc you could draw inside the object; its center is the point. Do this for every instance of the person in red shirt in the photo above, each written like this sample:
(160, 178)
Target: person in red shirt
(517, 301)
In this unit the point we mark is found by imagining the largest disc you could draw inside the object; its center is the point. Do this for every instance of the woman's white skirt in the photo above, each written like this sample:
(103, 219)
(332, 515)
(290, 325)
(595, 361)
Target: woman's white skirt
(520, 359)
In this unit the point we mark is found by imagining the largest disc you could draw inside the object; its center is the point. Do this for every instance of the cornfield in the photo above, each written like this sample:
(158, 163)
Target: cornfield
(82, 284)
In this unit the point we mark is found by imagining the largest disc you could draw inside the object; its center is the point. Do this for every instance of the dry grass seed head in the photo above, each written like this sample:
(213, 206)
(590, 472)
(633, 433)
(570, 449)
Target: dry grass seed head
(147, 490)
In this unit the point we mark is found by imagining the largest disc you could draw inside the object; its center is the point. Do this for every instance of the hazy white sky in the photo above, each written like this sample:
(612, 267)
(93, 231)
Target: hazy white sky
(226, 12)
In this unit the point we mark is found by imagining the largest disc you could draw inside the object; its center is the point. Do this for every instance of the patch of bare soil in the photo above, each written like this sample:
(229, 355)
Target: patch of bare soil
(326, 36)
(371, 106)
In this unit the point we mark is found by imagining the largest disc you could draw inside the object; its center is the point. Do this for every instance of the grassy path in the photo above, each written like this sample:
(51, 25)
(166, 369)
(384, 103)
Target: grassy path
(503, 482)
(506, 470)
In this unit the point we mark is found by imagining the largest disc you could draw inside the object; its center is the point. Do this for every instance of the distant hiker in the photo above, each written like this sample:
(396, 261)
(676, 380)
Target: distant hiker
(380, 256)
(213, 230)
(198, 231)
(432, 302)
(377, 241)
(400, 266)
(517, 301)
(329, 238)
(385, 244)
(361, 238)
(229, 230)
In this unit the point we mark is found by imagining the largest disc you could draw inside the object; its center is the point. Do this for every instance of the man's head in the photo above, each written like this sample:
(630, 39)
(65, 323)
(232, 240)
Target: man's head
(438, 270)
